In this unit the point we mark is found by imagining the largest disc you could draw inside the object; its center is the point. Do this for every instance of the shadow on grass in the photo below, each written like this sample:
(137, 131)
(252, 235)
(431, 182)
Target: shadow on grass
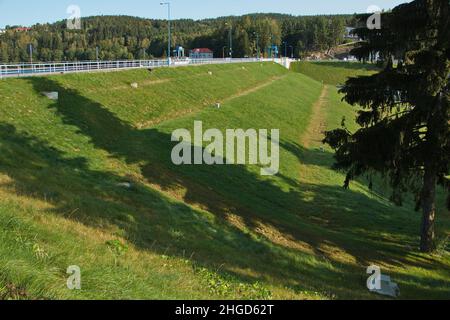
(153, 222)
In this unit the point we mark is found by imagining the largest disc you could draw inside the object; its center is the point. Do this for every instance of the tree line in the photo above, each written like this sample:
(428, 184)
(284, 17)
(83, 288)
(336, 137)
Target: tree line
(124, 37)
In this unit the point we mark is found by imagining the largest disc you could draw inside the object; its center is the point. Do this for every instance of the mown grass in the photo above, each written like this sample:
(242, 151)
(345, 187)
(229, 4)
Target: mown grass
(189, 231)
(332, 73)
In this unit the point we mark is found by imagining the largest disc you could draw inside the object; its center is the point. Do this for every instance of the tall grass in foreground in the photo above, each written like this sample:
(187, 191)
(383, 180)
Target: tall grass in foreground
(188, 232)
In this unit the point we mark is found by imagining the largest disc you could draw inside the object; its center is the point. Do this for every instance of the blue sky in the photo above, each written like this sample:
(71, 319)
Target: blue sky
(15, 12)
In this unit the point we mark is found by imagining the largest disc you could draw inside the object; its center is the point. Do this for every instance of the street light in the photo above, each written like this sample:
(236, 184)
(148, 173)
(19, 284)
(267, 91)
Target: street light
(274, 49)
(169, 45)
(30, 52)
(231, 38)
(97, 50)
(257, 44)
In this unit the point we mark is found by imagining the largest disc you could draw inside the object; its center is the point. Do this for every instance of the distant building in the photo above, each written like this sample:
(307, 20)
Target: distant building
(22, 29)
(179, 52)
(201, 53)
(349, 34)
(349, 58)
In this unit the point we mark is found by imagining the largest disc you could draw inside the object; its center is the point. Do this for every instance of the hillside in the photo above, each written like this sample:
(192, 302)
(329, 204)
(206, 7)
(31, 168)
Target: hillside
(197, 232)
(332, 73)
(125, 37)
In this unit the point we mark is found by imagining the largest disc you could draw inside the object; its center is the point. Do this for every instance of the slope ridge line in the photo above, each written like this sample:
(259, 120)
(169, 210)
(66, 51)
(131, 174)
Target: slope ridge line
(185, 112)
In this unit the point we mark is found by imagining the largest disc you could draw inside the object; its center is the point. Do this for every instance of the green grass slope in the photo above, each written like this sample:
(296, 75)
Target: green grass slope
(332, 73)
(189, 231)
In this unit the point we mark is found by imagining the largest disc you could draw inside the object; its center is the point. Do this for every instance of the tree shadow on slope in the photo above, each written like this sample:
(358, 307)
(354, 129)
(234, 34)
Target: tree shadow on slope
(226, 191)
(148, 220)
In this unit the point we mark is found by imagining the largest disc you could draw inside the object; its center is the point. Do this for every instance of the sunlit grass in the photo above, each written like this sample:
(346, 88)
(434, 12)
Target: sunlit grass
(332, 73)
(188, 232)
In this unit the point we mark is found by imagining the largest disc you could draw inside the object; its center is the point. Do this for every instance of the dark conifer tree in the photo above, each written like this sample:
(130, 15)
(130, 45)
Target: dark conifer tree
(405, 108)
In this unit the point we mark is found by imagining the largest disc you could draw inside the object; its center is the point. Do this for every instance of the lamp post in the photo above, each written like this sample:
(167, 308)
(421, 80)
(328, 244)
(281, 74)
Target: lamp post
(257, 45)
(97, 57)
(273, 52)
(231, 38)
(292, 51)
(169, 45)
(30, 51)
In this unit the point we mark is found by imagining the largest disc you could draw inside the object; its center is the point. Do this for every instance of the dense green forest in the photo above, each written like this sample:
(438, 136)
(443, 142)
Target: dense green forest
(123, 37)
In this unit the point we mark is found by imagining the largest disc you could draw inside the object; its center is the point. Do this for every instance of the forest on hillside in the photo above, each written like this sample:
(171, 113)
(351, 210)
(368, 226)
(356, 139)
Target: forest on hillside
(124, 37)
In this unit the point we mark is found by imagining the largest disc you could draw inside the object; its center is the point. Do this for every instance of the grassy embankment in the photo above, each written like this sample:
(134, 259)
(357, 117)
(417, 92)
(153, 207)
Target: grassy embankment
(332, 73)
(190, 231)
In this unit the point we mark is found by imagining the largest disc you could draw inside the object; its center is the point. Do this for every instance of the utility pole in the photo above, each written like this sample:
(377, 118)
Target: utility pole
(170, 35)
(30, 51)
(257, 45)
(97, 57)
(273, 52)
(231, 39)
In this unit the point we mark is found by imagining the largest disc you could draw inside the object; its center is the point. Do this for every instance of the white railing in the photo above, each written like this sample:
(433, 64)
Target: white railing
(49, 68)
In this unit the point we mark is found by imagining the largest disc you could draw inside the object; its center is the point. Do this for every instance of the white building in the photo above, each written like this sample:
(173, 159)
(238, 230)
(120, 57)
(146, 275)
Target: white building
(349, 34)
